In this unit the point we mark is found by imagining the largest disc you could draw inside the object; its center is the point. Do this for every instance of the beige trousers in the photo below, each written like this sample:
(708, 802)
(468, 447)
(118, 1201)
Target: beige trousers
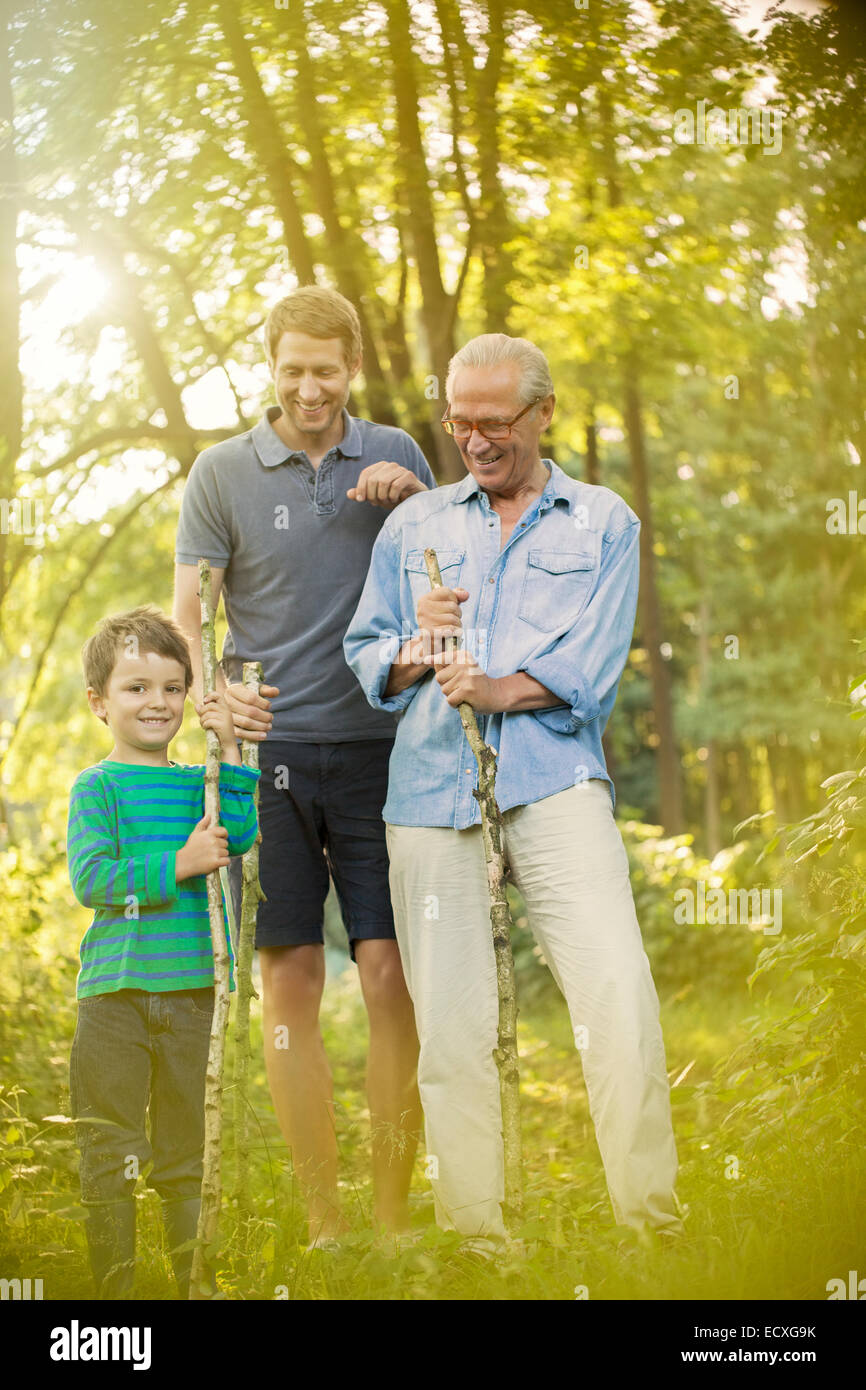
(567, 857)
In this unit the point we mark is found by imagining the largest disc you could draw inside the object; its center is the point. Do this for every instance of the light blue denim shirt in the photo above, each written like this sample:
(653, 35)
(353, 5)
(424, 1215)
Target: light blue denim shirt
(558, 601)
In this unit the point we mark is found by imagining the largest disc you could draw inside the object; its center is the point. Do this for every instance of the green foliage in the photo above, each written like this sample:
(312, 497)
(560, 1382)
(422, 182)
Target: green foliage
(807, 1071)
(703, 266)
(733, 283)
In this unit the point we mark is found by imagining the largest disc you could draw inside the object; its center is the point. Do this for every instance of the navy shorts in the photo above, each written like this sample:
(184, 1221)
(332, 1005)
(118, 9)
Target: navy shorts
(320, 813)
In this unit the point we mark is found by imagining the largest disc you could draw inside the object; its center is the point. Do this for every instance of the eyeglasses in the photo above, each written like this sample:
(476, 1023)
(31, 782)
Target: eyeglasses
(491, 429)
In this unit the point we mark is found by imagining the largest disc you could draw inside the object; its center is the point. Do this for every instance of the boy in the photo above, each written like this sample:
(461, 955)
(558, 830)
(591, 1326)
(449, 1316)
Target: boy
(139, 846)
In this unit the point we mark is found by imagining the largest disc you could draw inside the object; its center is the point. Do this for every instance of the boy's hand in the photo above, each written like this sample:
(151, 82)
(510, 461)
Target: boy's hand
(251, 712)
(206, 849)
(214, 713)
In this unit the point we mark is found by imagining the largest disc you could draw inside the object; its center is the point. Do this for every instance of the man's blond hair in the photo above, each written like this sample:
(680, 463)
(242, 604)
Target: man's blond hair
(319, 312)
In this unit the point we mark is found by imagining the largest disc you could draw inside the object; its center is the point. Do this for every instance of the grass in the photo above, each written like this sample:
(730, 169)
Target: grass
(774, 1212)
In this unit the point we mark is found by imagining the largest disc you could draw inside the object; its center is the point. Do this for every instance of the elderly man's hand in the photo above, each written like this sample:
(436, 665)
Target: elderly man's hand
(461, 678)
(438, 615)
(385, 484)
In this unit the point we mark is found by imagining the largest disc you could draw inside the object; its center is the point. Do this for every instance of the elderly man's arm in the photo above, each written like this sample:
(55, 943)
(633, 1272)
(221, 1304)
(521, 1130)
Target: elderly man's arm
(376, 646)
(438, 616)
(461, 678)
(564, 682)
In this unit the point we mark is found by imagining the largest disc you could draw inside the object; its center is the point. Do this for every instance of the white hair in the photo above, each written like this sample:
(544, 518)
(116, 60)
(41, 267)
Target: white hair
(489, 349)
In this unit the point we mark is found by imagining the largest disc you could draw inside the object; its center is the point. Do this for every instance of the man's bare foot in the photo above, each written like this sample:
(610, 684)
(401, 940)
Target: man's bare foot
(328, 1230)
(395, 1243)
(393, 1220)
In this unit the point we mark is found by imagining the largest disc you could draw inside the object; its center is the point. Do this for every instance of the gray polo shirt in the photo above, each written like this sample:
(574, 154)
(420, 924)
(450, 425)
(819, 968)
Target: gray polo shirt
(295, 550)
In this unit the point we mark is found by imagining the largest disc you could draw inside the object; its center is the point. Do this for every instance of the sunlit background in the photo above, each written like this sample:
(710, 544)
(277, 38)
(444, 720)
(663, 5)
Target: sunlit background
(169, 170)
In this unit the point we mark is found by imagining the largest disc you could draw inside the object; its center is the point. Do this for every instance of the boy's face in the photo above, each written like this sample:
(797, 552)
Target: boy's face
(142, 705)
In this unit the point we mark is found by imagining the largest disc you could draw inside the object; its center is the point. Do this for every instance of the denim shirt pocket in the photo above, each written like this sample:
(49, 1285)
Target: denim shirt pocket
(415, 566)
(556, 586)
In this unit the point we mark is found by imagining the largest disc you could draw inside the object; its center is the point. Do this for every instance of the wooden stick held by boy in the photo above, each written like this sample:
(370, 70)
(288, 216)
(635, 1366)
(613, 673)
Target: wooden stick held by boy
(505, 1052)
(211, 1186)
(252, 895)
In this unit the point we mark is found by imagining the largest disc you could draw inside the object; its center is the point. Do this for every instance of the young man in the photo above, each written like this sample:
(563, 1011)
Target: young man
(283, 514)
(139, 845)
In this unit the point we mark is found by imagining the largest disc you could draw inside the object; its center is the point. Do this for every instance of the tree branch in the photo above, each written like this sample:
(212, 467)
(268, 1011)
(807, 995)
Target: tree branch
(126, 434)
(70, 595)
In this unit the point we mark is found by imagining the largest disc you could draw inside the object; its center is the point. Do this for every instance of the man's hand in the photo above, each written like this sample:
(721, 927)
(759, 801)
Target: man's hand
(461, 678)
(438, 615)
(214, 713)
(251, 712)
(206, 849)
(385, 485)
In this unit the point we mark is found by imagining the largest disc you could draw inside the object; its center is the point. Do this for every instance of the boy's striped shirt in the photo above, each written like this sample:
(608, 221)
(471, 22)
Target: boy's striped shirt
(126, 825)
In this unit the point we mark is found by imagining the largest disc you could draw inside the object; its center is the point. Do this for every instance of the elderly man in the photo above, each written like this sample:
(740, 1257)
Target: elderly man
(543, 572)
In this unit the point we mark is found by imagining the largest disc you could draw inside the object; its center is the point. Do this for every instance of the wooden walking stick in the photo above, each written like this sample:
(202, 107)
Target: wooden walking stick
(252, 896)
(505, 1052)
(211, 1183)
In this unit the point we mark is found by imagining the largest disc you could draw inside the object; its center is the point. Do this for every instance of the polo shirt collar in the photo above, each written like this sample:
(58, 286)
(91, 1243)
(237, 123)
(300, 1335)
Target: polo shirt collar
(272, 451)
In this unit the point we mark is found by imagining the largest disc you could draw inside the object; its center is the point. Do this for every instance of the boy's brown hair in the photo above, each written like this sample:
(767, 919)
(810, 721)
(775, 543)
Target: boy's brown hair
(319, 312)
(143, 629)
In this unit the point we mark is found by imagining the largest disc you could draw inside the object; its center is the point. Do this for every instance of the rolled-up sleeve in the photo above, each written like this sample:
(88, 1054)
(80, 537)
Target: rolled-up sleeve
(583, 665)
(237, 805)
(379, 628)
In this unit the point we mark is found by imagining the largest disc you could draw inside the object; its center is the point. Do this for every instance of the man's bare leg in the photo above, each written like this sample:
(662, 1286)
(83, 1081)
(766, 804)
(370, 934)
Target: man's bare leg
(293, 978)
(392, 1079)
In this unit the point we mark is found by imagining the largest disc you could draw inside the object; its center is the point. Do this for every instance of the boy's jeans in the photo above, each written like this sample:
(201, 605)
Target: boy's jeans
(136, 1053)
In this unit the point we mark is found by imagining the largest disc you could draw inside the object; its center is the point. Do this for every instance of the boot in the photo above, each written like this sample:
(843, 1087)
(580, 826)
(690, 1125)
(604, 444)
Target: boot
(180, 1217)
(110, 1230)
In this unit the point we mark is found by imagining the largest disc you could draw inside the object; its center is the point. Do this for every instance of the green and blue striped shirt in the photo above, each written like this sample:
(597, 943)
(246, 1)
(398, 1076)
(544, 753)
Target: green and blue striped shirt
(126, 824)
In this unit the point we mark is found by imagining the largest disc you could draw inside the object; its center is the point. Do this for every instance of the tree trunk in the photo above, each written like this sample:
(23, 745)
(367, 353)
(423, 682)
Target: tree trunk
(437, 306)
(593, 466)
(493, 223)
(267, 140)
(10, 303)
(712, 822)
(667, 757)
(341, 253)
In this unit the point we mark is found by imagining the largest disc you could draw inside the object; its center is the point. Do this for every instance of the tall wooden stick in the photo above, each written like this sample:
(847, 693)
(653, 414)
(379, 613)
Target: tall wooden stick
(505, 1052)
(252, 896)
(211, 1184)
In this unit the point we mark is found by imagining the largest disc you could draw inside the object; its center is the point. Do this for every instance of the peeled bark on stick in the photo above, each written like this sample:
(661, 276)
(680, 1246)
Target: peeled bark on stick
(252, 896)
(505, 1052)
(211, 1183)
